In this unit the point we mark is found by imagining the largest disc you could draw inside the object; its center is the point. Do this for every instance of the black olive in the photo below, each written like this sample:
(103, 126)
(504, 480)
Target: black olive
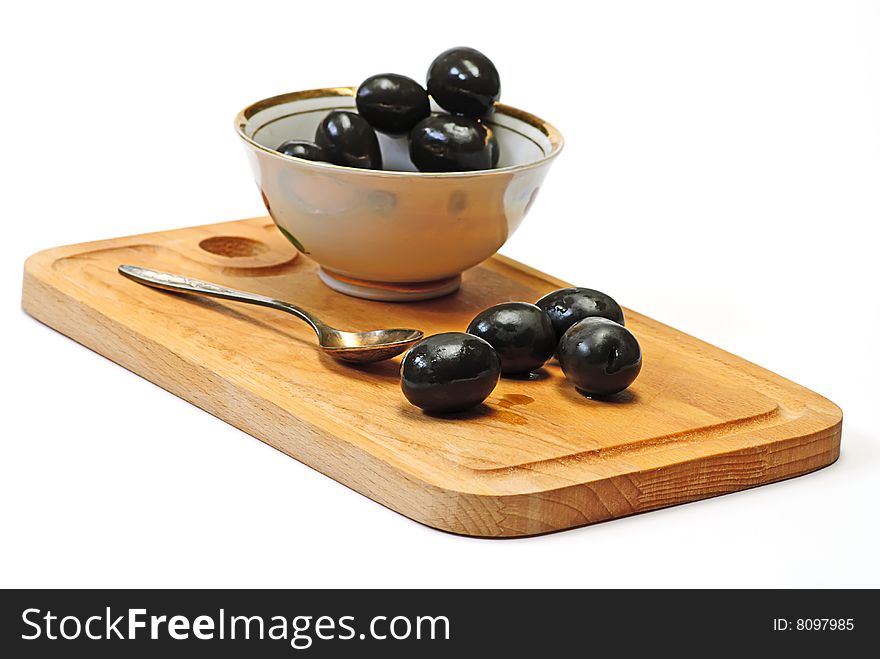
(449, 372)
(521, 334)
(569, 305)
(349, 140)
(392, 103)
(464, 81)
(303, 149)
(600, 356)
(449, 143)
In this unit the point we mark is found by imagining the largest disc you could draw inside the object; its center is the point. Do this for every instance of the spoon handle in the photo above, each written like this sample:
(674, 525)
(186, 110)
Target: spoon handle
(182, 284)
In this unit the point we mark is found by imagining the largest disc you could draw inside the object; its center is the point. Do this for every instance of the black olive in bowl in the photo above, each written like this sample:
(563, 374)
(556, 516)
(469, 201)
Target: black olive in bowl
(392, 103)
(464, 81)
(599, 356)
(521, 334)
(303, 149)
(567, 306)
(449, 372)
(449, 143)
(349, 140)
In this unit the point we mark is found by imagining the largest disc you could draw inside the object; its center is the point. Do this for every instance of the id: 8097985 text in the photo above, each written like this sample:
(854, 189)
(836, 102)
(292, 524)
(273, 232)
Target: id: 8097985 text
(813, 624)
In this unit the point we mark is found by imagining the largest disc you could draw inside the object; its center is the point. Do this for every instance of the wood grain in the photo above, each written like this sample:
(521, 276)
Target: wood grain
(537, 457)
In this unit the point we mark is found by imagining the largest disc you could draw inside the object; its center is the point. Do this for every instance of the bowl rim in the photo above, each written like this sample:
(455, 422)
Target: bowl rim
(241, 119)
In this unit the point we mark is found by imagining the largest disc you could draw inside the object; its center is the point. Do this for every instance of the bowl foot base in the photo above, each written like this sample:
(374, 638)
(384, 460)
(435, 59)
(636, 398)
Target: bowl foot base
(389, 291)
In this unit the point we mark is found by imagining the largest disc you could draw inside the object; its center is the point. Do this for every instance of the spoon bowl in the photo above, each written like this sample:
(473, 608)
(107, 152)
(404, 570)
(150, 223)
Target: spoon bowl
(368, 346)
(359, 347)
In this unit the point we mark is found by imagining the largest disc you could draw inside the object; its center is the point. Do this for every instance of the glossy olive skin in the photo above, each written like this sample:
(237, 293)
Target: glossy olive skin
(599, 356)
(464, 81)
(449, 372)
(449, 143)
(303, 149)
(392, 103)
(521, 334)
(349, 140)
(567, 306)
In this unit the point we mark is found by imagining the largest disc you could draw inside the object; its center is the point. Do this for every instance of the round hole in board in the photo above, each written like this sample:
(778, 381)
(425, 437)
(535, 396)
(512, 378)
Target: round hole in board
(233, 246)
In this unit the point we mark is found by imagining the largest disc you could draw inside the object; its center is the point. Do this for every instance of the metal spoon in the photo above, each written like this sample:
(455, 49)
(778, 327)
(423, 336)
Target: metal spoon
(347, 346)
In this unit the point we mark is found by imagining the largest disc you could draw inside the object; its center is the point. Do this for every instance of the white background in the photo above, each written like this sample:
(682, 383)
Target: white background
(721, 174)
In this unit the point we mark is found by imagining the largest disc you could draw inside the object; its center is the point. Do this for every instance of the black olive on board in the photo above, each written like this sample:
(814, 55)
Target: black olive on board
(349, 140)
(599, 356)
(464, 81)
(521, 333)
(449, 143)
(303, 149)
(449, 372)
(392, 103)
(567, 306)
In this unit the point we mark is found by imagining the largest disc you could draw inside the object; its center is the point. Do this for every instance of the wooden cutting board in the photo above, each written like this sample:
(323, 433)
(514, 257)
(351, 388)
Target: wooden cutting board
(537, 457)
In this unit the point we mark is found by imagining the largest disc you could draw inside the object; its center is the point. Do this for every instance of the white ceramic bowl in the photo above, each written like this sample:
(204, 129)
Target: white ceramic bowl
(392, 235)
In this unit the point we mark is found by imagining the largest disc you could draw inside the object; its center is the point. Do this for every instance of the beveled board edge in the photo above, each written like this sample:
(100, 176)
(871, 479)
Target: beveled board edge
(810, 442)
